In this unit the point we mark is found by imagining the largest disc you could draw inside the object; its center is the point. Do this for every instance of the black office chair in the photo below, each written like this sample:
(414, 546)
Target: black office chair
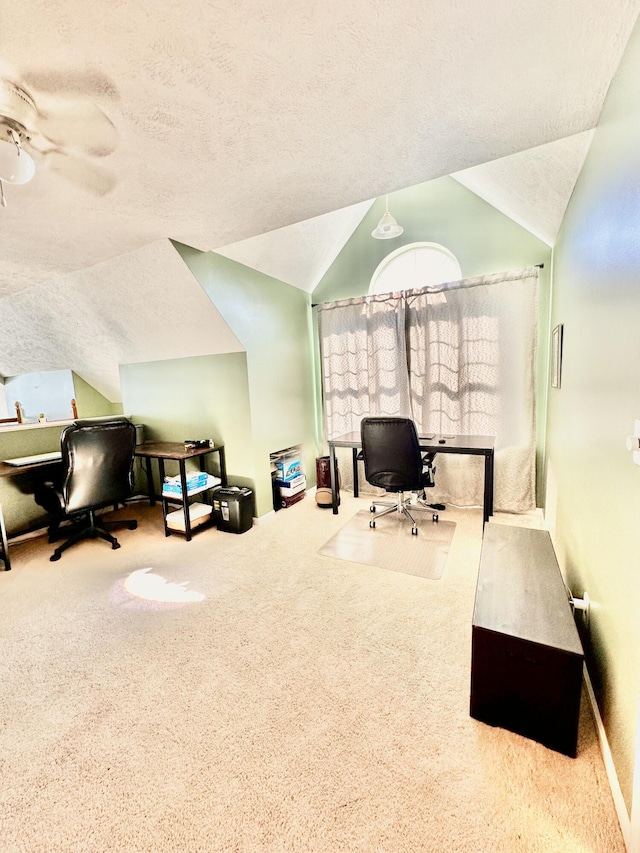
(393, 461)
(97, 471)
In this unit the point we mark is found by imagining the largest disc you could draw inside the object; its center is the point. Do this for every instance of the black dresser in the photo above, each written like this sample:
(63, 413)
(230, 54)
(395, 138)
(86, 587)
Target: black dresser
(526, 657)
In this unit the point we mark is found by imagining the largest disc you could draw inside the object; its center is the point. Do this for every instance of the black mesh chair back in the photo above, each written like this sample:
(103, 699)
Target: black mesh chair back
(391, 453)
(394, 462)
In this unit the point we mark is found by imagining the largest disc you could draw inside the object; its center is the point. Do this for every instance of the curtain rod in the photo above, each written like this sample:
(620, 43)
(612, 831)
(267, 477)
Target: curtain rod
(538, 266)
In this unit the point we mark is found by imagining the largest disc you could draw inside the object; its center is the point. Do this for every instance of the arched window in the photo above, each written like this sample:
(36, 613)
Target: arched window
(413, 266)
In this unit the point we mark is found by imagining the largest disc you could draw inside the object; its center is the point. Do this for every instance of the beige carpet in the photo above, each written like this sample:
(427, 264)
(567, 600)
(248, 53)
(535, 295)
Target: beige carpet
(392, 546)
(288, 702)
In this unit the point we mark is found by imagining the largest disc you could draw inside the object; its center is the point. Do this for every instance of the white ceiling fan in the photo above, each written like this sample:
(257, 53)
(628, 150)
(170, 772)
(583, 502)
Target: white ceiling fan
(64, 132)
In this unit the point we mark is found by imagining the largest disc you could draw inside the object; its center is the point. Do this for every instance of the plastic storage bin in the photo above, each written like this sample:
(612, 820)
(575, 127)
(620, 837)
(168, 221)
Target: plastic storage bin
(232, 509)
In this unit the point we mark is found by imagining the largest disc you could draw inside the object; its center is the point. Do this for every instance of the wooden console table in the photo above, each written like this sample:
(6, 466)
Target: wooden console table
(175, 451)
(38, 463)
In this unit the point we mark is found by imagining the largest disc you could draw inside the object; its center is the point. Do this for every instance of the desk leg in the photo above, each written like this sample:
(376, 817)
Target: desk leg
(164, 503)
(5, 544)
(185, 499)
(354, 451)
(223, 466)
(488, 487)
(334, 479)
(150, 488)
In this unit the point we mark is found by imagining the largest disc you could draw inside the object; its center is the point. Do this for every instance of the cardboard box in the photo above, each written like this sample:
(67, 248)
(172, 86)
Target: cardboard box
(292, 487)
(196, 482)
(199, 513)
(289, 466)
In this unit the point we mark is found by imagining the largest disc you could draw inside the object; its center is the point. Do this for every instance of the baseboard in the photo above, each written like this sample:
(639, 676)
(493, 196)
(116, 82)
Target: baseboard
(268, 516)
(17, 538)
(612, 776)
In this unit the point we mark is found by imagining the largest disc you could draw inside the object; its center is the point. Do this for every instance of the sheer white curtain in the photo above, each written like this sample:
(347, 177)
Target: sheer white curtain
(364, 361)
(458, 358)
(472, 365)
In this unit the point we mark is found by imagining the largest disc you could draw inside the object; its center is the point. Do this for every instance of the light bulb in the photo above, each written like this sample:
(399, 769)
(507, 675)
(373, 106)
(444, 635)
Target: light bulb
(16, 166)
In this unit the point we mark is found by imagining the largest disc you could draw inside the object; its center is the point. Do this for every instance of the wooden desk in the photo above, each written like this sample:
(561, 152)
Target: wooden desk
(175, 450)
(13, 471)
(471, 445)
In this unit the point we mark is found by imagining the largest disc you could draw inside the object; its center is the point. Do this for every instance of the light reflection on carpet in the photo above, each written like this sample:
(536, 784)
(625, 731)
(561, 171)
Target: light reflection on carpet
(151, 591)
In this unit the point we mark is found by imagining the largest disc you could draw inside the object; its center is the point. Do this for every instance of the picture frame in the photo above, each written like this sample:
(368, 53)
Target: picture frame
(556, 355)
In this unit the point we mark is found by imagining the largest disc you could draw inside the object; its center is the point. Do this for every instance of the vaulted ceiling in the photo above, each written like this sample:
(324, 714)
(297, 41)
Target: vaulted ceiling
(211, 123)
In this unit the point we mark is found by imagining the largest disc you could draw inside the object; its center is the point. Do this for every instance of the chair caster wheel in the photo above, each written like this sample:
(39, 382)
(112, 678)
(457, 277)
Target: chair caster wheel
(55, 556)
(372, 508)
(372, 523)
(435, 516)
(115, 546)
(414, 531)
(132, 525)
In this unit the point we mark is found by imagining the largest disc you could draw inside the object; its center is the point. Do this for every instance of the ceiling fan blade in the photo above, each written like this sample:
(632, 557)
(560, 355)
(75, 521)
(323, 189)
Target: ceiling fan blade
(88, 176)
(82, 126)
(90, 83)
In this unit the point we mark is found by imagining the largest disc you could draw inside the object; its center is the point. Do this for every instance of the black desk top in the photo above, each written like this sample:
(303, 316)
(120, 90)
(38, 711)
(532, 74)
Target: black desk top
(470, 444)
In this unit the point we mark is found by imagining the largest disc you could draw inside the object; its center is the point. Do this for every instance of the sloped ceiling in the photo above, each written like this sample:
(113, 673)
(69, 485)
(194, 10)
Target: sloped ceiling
(210, 123)
(233, 119)
(142, 306)
(299, 254)
(533, 187)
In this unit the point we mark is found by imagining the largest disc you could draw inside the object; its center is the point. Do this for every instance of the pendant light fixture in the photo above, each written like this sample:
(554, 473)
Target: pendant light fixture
(387, 227)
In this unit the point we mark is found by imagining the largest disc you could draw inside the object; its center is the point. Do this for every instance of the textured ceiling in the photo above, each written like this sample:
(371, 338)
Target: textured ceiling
(533, 187)
(211, 123)
(142, 306)
(230, 120)
(299, 254)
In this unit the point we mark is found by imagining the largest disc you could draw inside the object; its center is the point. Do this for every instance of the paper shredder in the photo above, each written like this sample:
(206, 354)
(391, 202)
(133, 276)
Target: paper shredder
(232, 508)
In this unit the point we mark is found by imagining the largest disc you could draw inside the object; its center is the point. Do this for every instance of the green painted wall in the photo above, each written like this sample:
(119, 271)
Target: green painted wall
(20, 511)
(91, 403)
(484, 241)
(203, 397)
(272, 321)
(441, 211)
(594, 489)
(257, 403)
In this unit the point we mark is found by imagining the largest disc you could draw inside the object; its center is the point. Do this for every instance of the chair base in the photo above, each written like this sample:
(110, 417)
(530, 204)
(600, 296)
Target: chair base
(404, 506)
(91, 528)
